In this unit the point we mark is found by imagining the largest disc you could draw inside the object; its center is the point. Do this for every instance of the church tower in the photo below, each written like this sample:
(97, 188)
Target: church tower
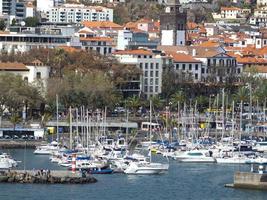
(173, 24)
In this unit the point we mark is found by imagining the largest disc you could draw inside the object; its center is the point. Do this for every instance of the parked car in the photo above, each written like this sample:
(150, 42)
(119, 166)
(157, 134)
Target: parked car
(15, 137)
(7, 137)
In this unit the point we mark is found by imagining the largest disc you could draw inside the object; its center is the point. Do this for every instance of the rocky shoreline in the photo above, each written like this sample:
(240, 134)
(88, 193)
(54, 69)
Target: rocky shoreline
(44, 177)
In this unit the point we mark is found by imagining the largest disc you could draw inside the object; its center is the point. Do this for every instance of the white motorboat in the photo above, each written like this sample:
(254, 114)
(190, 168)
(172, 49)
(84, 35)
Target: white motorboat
(6, 162)
(47, 149)
(195, 156)
(233, 160)
(146, 168)
(261, 146)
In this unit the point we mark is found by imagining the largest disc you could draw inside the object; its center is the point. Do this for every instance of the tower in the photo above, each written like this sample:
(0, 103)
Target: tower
(173, 24)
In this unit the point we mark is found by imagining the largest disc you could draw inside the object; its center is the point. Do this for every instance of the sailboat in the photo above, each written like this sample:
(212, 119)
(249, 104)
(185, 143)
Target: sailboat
(147, 167)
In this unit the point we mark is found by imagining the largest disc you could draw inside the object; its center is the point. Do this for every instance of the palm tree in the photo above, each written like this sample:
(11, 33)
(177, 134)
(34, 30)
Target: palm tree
(178, 98)
(15, 119)
(156, 102)
(133, 103)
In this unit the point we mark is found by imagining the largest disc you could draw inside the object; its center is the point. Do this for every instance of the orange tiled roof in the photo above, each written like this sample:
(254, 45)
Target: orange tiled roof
(210, 43)
(183, 58)
(230, 8)
(104, 24)
(134, 52)
(68, 48)
(251, 60)
(13, 66)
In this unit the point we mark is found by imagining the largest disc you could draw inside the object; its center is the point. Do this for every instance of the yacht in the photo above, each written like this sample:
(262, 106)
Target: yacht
(47, 149)
(196, 156)
(6, 162)
(261, 146)
(146, 168)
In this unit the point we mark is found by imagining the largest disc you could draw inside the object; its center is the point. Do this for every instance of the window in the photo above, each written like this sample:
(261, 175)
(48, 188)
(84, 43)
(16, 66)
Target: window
(38, 75)
(146, 81)
(156, 89)
(144, 56)
(238, 70)
(26, 79)
(141, 65)
(151, 73)
(190, 67)
(183, 66)
(146, 73)
(196, 76)
(151, 81)
(202, 70)
(214, 62)
(139, 56)
(157, 65)
(177, 66)
(156, 81)
(208, 62)
(150, 56)
(145, 89)
(151, 65)
(221, 62)
(151, 89)
(146, 65)
(157, 74)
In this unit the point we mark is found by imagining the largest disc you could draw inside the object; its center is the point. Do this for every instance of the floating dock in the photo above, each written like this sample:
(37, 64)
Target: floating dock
(45, 177)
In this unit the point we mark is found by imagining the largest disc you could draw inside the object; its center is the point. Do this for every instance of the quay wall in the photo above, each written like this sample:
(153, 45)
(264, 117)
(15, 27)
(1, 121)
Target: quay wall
(250, 180)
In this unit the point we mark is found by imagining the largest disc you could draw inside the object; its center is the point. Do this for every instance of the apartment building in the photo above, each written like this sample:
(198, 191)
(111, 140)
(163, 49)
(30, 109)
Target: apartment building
(150, 63)
(77, 13)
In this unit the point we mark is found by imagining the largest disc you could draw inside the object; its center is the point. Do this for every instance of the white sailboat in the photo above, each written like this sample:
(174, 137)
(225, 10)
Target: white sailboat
(147, 167)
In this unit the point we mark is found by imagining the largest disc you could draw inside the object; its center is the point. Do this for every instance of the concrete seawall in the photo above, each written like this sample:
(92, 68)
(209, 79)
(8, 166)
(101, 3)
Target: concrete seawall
(45, 177)
(249, 180)
(20, 144)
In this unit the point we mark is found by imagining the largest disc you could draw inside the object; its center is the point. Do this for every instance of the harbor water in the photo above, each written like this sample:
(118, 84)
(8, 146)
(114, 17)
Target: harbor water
(183, 181)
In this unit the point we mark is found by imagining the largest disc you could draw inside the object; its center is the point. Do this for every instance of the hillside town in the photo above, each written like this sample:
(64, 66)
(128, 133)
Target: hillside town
(107, 86)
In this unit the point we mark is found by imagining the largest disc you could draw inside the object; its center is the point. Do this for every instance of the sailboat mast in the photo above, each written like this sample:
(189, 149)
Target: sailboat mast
(150, 126)
(70, 127)
(57, 116)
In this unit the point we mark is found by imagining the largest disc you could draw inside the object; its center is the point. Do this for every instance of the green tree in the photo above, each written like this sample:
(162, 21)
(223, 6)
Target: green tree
(31, 21)
(2, 25)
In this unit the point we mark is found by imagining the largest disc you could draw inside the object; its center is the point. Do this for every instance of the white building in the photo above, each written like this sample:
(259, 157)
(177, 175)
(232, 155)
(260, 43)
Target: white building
(150, 63)
(32, 72)
(231, 13)
(124, 37)
(76, 13)
(44, 5)
(261, 3)
(189, 66)
(46, 37)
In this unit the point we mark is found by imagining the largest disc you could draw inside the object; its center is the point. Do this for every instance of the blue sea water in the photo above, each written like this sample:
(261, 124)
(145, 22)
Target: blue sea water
(183, 181)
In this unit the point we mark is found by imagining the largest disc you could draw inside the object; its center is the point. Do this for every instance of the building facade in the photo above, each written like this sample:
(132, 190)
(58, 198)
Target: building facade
(151, 65)
(173, 24)
(77, 13)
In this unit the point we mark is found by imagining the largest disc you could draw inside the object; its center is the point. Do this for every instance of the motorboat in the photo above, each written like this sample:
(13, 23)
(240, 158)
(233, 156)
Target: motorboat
(47, 149)
(261, 146)
(195, 156)
(146, 168)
